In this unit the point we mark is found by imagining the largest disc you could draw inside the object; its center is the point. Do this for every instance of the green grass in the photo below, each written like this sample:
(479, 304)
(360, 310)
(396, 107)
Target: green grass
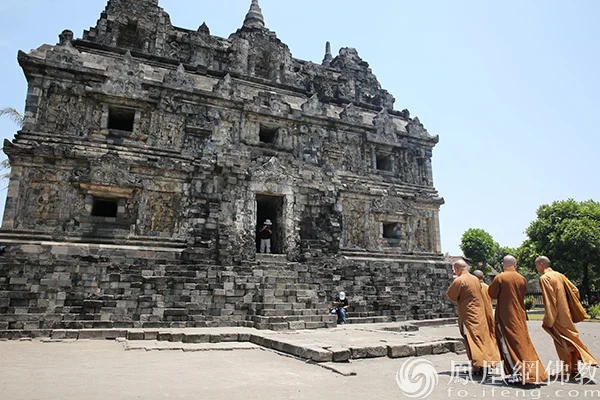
(540, 317)
(536, 317)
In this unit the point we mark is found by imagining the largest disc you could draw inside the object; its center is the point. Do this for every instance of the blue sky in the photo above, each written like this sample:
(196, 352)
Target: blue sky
(511, 87)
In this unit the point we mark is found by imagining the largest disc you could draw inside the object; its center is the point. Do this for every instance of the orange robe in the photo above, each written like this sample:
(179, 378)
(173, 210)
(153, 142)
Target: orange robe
(512, 335)
(472, 321)
(558, 321)
(489, 310)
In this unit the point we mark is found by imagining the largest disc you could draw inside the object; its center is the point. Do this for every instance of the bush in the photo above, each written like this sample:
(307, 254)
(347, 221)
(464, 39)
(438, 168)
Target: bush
(594, 311)
(529, 303)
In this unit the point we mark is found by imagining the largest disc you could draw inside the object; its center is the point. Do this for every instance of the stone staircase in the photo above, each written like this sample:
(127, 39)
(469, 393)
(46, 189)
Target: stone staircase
(282, 303)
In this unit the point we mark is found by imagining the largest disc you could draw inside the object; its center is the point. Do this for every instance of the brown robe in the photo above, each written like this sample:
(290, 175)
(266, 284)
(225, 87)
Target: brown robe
(472, 321)
(558, 321)
(512, 334)
(489, 310)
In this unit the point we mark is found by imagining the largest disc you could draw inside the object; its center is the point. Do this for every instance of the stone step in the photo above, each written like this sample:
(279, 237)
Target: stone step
(294, 318)
(368, 320)
(305, 312)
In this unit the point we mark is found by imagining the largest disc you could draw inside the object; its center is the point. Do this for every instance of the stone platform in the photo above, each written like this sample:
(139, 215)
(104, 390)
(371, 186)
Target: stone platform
(341, 344)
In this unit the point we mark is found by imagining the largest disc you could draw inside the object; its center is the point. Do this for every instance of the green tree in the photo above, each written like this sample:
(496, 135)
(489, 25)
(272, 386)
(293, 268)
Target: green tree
(568, 232)
(502, 252)
(479, 246)
(526, 255)
(18, 119)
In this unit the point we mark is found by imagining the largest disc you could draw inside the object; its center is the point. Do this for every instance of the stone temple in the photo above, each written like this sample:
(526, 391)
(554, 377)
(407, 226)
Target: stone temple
(150, 156)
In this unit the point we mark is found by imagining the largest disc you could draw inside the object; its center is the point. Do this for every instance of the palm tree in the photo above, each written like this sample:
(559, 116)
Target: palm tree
(18, 119)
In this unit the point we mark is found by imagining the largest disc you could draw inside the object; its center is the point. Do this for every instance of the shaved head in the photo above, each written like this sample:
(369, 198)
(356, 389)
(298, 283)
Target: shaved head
(479, 274)
(461, 265)
(545, 261)
(509, 261)
(542, 263)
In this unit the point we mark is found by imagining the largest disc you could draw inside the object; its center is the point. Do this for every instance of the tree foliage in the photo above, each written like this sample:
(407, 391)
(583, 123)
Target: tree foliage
(568, 232)
(479, 246)
(13, 115)
(502, 252)
(18, 119)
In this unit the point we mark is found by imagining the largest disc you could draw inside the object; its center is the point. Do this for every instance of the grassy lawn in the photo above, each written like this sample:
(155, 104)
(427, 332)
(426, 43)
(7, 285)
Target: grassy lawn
(535, 317)
(540, 317)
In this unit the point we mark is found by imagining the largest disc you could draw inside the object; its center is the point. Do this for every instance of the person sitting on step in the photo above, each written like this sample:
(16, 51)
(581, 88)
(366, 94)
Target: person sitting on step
(340, 307)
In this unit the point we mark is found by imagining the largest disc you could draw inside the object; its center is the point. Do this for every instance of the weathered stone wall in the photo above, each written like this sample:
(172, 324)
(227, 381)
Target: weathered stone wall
(69, 286)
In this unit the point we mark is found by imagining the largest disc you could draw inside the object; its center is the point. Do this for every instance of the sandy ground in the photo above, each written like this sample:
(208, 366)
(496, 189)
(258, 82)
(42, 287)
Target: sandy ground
(90, 370)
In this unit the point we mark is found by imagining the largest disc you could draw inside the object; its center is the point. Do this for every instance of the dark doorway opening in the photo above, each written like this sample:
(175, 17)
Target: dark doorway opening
(267, 134)
(269, 207)
(107, 208)
(384, 162)
(121, 119)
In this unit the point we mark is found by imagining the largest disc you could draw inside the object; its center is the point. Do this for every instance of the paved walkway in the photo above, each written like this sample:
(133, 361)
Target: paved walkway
(94, 369)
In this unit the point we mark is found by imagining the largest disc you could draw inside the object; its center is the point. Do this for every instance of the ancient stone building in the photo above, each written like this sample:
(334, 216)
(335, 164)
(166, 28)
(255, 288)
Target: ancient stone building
(151, 155)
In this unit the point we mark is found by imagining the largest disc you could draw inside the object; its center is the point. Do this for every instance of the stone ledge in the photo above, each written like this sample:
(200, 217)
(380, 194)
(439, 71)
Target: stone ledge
(180, 338)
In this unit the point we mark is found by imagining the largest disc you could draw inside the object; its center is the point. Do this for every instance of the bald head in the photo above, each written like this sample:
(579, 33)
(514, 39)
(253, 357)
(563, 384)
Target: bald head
(460, 266)
(479, 274)
(545, 261)
(509, 261)
(541, 263)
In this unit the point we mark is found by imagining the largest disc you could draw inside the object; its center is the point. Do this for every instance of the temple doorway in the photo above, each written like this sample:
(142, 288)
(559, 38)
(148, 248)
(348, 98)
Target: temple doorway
(270, 207)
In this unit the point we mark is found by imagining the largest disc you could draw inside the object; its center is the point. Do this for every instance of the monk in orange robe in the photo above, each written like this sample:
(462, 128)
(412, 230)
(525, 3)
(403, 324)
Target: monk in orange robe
(521, 361)
(472, 321)
(489, 310)
(562, 306)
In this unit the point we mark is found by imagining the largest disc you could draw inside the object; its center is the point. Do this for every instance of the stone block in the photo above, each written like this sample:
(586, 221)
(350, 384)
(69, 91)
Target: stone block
(279, 326)
(138, 335)
(196, 338)
(91, 334)
(318, 354)
(297, 325)
(230, 337)
(177, 337)
(439, 348)
(150, 335)
(340, 354)
(423, 349)
(399, 351)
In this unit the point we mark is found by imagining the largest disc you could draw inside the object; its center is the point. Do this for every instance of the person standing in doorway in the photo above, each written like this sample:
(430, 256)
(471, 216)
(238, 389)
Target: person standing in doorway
(265, 235)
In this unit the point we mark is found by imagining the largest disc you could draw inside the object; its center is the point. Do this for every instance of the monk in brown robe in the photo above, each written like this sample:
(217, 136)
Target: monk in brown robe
(521, 361)
(559, 320)
(489, 310)
(472, 321)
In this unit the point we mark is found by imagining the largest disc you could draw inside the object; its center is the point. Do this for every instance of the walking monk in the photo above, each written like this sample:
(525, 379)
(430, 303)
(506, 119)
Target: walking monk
(472, 321)
(562, 306)
(489, 311)
(521, 361)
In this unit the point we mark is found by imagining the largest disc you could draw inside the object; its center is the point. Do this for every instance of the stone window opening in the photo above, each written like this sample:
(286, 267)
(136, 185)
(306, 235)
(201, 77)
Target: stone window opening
(267, 134)
(106, 208)
(383, 162)
(121, 119)
(128, 36)
(392, 230)
(270, 207)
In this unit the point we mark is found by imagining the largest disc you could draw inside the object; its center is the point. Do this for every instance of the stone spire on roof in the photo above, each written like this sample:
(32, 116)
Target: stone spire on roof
(328, 57)
(254, 18)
